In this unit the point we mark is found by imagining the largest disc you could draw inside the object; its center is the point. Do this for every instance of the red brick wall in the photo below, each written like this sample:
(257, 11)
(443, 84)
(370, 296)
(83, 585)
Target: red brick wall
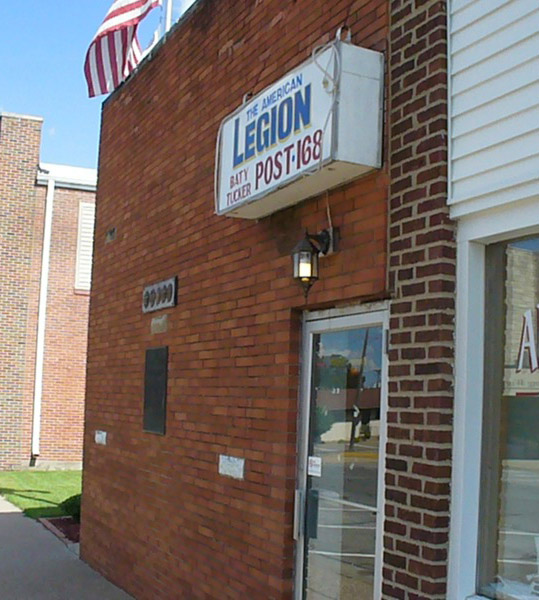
(21, 240)
(65, 338)
(32, 290)
(422, 276)
(157, 518)
(19, 157)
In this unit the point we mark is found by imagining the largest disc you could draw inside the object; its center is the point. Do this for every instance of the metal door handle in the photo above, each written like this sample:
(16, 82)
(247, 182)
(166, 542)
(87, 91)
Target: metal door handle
(298, 513)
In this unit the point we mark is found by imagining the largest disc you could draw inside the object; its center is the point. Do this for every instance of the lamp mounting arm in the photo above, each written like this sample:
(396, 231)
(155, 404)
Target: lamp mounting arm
(325, 240)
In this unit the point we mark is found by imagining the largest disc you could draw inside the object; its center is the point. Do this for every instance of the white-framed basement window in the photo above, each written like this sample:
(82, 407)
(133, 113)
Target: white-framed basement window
(85, 243)
(495, 483)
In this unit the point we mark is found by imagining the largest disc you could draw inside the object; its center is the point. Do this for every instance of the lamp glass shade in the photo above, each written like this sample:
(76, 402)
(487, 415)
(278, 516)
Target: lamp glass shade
(305, 260)
(305, 265)
(305, 268)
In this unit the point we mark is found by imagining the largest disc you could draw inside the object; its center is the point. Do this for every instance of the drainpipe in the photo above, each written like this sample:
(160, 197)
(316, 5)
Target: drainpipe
(42, 318)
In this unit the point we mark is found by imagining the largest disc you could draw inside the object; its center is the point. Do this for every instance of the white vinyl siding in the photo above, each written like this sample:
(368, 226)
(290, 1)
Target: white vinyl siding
(85, 241)
(494, 104)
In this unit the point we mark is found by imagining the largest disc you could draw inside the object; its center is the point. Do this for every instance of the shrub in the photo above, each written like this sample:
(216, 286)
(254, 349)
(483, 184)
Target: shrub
(71, 506)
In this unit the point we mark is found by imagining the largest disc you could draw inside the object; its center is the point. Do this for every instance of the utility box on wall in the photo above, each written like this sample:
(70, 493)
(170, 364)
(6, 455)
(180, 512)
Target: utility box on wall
(318, 127)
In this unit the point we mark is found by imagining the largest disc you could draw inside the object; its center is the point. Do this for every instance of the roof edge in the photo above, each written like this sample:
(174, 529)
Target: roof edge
(11, 115)
(67, 176)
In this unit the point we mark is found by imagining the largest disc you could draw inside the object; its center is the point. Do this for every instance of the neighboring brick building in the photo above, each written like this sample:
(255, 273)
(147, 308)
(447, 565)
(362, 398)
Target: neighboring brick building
(46, 226)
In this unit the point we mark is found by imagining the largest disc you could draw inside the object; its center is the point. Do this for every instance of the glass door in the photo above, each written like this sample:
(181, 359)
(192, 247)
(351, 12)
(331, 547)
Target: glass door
(339, 493)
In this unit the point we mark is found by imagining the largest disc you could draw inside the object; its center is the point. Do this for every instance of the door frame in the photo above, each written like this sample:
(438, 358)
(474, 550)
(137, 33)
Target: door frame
(376, 314)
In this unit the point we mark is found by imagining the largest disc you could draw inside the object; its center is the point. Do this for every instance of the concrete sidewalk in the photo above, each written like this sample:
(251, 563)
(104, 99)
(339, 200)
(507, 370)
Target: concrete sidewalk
(36, 565)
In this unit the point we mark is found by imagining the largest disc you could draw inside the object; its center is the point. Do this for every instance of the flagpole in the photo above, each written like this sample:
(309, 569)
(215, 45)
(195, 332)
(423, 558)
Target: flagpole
(168, 18)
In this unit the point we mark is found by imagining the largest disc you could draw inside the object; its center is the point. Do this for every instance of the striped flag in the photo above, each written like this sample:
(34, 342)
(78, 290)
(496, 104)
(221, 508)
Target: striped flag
(115, 50)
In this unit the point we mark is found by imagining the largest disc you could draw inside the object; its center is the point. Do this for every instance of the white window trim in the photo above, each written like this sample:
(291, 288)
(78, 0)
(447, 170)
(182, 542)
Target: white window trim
(81, 284)
(474, 233)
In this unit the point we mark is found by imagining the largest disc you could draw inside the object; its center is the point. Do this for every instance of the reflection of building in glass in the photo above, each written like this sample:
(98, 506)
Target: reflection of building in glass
(521, 295)
(347, 394)
(520, 411)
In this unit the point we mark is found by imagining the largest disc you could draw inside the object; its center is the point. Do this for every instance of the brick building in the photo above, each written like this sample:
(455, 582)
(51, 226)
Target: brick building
(46, 230)
(377, 439)
(294, 457)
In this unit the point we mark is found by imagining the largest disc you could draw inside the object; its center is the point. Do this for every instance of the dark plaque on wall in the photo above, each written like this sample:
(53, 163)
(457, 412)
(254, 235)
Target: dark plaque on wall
(155, 390)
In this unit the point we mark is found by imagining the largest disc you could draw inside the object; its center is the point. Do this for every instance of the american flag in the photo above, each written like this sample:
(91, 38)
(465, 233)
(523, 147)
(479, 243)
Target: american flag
(115, 50)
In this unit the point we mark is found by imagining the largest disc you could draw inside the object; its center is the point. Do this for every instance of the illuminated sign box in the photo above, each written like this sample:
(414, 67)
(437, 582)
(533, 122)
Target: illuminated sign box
(318, 127)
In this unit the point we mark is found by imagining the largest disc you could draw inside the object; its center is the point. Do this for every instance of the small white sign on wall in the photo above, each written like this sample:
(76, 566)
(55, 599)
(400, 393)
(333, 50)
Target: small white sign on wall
(101, 438)
(230, 466)
(314, 466)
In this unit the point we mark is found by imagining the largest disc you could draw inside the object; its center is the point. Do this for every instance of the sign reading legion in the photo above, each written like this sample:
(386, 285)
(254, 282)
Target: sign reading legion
(316, 128)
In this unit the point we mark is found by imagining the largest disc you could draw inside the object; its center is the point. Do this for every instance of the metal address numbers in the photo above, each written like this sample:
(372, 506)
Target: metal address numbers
(160, 295)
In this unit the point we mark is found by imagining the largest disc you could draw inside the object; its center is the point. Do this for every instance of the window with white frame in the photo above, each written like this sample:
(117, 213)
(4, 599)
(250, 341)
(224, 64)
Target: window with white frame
(508, 561)
(85, 241)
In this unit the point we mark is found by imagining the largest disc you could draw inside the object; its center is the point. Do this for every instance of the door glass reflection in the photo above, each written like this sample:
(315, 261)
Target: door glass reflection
(343, 465)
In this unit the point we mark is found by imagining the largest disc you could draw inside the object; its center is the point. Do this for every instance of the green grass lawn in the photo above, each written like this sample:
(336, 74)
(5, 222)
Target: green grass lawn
(39, 493)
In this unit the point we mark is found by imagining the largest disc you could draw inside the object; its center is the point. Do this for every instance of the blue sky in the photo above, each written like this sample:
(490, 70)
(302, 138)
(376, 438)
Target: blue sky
(43, 44)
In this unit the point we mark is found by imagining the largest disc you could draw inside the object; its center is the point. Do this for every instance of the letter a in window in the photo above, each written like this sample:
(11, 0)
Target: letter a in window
(527, 342)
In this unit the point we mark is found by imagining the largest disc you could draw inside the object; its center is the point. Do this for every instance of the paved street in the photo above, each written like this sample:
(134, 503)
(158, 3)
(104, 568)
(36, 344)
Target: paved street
(36, 565)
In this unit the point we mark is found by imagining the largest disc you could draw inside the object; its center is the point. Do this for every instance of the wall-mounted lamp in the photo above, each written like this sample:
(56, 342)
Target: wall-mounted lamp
(305, 255)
